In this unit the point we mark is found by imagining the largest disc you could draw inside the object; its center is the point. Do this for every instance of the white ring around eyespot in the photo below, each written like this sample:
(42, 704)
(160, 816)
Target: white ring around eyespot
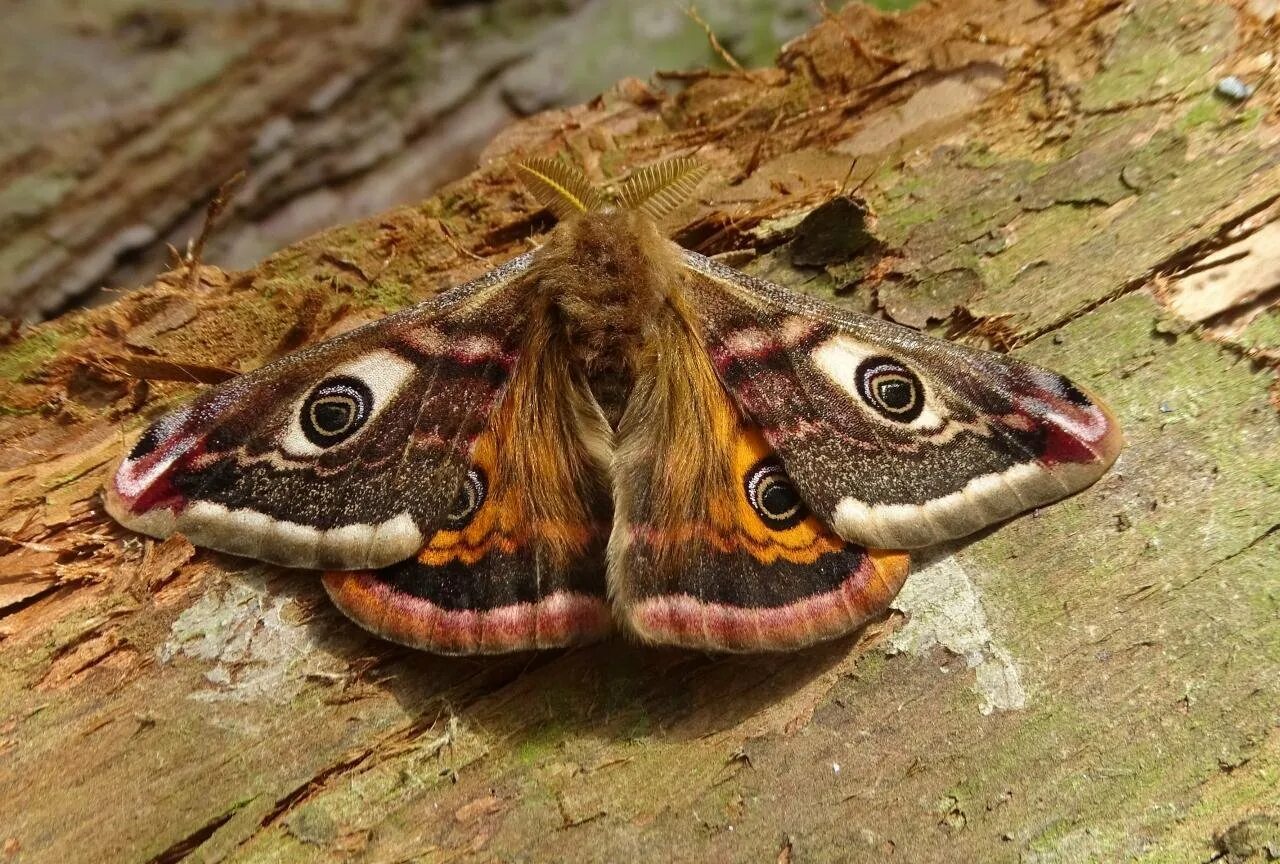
(839, 358)
(383, 372)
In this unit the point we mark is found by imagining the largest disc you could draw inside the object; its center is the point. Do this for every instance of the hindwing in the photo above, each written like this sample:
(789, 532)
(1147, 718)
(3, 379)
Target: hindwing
(519, 563)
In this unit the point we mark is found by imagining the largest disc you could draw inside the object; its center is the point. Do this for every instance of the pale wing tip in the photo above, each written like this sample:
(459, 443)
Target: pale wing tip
(987, 499)
(257, 535)
(158, 523)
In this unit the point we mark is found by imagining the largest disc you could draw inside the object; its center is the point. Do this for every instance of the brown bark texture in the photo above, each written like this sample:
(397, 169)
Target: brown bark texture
(122, 118)
(1097, 681)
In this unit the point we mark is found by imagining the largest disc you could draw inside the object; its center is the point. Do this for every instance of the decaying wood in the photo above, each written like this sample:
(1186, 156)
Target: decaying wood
(1099, 681)
(121, 119)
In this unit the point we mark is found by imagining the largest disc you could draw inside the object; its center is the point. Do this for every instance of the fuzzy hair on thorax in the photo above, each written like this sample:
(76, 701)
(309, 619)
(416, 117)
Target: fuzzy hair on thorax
(605, 279)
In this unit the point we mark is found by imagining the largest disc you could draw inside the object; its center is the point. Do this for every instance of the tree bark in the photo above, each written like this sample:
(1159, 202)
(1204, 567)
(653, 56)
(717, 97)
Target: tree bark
(122, 120)
(1098, 681)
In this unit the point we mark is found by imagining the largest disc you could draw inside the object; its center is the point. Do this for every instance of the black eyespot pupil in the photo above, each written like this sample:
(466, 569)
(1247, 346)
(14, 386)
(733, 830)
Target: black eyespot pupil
(463, 504)
(336, 410)
(779, 498)
(895, 393)
(773, 496)
(332, 416)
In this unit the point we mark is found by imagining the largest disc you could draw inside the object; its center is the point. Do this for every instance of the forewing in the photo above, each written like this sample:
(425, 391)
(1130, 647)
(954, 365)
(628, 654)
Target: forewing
(896, 439)
(345, 455)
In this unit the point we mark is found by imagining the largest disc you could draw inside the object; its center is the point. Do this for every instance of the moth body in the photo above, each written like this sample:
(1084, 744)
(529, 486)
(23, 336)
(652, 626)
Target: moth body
(613, 431)
(607, 276)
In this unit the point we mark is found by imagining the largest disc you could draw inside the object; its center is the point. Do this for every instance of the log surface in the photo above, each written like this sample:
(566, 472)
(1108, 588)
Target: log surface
(122, 119)
(1097, 681)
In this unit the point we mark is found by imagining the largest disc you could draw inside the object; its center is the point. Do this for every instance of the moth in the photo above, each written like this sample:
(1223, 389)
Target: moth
(613, 431)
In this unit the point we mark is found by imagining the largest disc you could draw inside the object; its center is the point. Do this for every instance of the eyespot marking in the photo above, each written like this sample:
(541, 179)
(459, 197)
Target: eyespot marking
(845, 362)
(336, 409)
(890, 389)
(372, 382)
(475, 488)
(773, 496)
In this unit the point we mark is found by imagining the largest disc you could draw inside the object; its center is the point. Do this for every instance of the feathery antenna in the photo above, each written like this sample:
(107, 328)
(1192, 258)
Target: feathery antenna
(558, 187)
(654, 190)
(658, 189)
